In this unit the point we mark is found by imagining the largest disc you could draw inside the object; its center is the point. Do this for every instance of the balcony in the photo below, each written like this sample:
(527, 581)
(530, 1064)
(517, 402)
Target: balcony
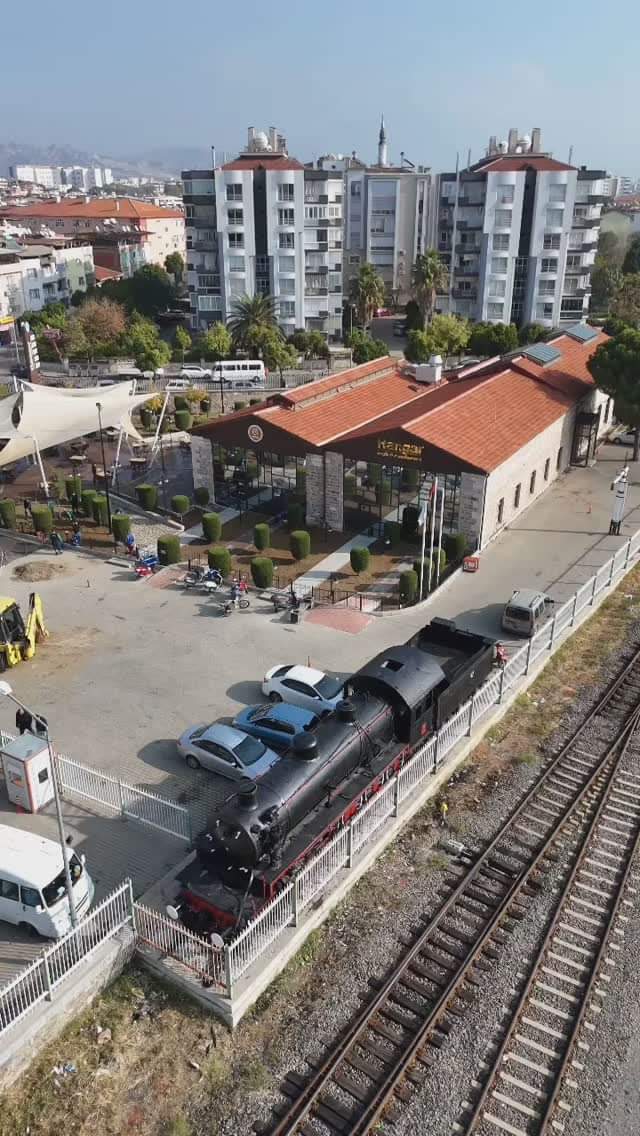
(467, 248)
(312, 290)
(203, 246)
(462, 294)
(466, 226)
(591, 221)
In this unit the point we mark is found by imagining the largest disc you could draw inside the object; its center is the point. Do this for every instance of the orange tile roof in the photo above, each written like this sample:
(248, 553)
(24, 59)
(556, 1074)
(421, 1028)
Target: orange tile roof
(125, 208)
(266, 162)
(106, 274)
(519, 162)
(310, 391)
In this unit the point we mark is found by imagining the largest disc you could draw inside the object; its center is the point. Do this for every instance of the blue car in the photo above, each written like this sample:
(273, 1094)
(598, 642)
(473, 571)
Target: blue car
(277, 724)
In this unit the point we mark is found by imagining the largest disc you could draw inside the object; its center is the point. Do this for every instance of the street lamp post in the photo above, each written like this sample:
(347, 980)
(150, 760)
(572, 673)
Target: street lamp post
(7, 692)
(104, 466)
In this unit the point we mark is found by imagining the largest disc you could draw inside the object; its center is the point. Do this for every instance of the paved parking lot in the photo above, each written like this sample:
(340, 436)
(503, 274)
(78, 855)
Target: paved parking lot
(129, 666)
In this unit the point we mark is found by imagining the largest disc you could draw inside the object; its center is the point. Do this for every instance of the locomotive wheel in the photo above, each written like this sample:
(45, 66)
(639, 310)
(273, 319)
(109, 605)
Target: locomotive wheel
(275, 697)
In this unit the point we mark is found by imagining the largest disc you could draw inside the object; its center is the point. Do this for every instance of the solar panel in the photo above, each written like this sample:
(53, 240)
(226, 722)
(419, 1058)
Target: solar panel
(582, 332)
(542, 353)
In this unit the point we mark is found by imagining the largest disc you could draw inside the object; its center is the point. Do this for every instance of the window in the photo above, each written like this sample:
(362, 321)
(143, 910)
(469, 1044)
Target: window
(557, 194)
(516, 496)
(207, 280)
(444, 236)
(286, 192)
(287, 309)
(499, 265)
(234, 193)
(32, 273)
(34, 293)
(554, 218)
(8, 890)
(236, 264)
(497, 287)
(59, 224)
(500, 510)
(546, 287)
(501, 242)
(356, 189)
(235, 216)
(286, 240)
(287, 263)
(549, 264)
(31, 897)
(580, 213)
(505, 194)
(81, 282)
(43, 776)
(546, 469)
(288, 285)
(532, 482)
(544, 311)
(503, 218)
(575, 240)
(315, 212)
(322, 236)
(495, 311)
(286, 217)
(209, 303)
(236, 240)
(572, 307)
(354, 260)
(559, 460)
(551, 240)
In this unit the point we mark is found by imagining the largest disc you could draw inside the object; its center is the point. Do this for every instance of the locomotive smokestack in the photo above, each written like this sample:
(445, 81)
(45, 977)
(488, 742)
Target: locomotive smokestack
(346, 710)
(248, 794)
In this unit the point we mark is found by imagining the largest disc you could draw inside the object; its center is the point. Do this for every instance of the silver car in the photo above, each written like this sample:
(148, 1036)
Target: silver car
(303, 686)
(222, 749)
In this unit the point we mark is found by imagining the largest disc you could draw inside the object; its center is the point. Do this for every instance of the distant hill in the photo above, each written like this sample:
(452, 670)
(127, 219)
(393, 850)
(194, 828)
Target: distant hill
(161, 161)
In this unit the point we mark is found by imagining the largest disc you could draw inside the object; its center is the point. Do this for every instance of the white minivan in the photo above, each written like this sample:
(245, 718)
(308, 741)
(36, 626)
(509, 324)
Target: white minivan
(32, 883)
(238, 374)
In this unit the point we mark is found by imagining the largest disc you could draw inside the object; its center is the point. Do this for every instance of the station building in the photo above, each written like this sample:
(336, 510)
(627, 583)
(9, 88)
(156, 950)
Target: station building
(361, 445)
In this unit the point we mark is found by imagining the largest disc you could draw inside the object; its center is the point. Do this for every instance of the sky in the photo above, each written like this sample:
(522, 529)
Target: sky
(129, 76)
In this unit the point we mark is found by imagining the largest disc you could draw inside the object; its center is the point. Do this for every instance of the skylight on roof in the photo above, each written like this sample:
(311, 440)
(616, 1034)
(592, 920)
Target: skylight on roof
(542, 353)
(582, 332)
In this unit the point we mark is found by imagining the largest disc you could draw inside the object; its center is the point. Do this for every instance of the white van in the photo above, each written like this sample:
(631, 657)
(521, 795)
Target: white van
(526, 610)
(32, 883)
(237, 374)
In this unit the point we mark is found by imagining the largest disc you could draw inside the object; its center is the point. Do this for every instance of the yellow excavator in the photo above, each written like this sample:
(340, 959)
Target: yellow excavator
(18, 639)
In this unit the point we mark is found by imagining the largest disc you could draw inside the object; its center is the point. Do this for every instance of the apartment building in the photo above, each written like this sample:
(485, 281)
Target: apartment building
(263, 223)
(161, 231)
(33, 275)
(519, 230)
(389, 219)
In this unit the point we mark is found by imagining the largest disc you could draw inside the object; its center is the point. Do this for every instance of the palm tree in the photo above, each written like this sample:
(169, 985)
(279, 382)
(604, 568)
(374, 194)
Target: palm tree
(249, 313)
(430, 275)
(367, 292)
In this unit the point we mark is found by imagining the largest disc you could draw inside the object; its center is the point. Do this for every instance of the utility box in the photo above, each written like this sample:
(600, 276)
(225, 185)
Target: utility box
(28, 773)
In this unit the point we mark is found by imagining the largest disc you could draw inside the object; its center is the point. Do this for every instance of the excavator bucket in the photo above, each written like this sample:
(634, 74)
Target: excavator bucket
(35, 629)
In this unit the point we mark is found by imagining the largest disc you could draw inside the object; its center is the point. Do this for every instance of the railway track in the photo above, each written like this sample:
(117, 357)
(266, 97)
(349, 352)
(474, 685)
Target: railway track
(368, 1074)
(562, 996)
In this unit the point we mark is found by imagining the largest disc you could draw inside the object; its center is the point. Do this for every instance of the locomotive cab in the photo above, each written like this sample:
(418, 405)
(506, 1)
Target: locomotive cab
(409, 680)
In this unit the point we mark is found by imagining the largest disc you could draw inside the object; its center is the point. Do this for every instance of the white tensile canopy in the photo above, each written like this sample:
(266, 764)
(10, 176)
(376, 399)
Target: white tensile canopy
(39, 417)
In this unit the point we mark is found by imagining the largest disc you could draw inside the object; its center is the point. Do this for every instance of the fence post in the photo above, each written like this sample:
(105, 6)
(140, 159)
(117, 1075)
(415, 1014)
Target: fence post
(121, 799)
(470, 722)
(132, 907)
(573, 610)
(350, 845)
(228, 980)
(294, 902)
(47, 976)
(553, 632)
(435, 752)
(626, 559)
(610, 580)
(593, 590)
(526, 669)
(396, 795)
(501, 691)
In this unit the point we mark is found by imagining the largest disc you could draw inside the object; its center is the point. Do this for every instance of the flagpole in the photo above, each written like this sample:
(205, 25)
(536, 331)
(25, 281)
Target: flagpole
(423, 514)
(434, 505)
(440, 534)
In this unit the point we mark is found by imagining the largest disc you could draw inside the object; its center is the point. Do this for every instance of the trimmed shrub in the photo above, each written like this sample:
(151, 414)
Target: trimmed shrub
(146, 417)
(180, 504)
(201, 496)
(169, 548)
(120, 527)
(239, 405)
(262, 539)
(255, 401)
(211, 526)
(8, 513)
(181, 403)
(383, 493)
(205, 405)
(455, 545)
(374, 473)
(295, 515)
(220, 558)
(392, 533)
(434, 562)
(262, 571)
(73, 489)
(86, 501)
(300, 544)
(183, 419)
(410, 518)
(99, 509)
(408, 587)
(147, 496)
(359, 558)
(42, 518)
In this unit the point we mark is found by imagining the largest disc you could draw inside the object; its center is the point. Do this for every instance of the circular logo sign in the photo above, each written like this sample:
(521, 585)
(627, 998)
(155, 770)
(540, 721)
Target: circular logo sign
(256, 433)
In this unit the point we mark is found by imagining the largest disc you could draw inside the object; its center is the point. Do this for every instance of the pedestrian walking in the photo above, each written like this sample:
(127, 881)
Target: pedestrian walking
(27, 507)
(57, 543)
(24, 721)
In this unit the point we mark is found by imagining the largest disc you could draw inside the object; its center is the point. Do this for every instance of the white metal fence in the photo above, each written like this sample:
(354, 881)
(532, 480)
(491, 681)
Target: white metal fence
(172, 939)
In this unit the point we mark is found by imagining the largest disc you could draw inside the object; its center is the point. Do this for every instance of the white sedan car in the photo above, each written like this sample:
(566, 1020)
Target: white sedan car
(303, 686)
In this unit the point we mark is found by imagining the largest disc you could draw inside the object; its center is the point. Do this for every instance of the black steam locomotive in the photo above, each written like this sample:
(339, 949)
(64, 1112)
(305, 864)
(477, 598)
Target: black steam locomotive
(268, 828)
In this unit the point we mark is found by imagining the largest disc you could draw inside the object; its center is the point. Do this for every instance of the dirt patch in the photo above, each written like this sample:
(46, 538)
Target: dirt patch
(35, 571)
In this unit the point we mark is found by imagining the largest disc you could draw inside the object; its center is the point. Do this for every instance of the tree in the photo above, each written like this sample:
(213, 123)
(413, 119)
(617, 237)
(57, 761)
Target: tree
(615, 366)
(181, 343)
(631, 262)
(150, 290)
(493, 338)
(418, 349)
(532, 333)
(278, 355)
(626, 302)
(95, 328)
(446, 335)
(367, 293)
(365, 348)
(174, 265)
(605, 281)
(214, 344)
(142, 340)
(317, 347)
(430, 275)
(250, 312)
(414, 320)
(611, 249)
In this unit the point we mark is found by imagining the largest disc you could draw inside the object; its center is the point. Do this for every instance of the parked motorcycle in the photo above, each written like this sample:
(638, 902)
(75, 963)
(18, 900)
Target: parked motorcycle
(207, 578)
(146, 565)
(227, 608)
